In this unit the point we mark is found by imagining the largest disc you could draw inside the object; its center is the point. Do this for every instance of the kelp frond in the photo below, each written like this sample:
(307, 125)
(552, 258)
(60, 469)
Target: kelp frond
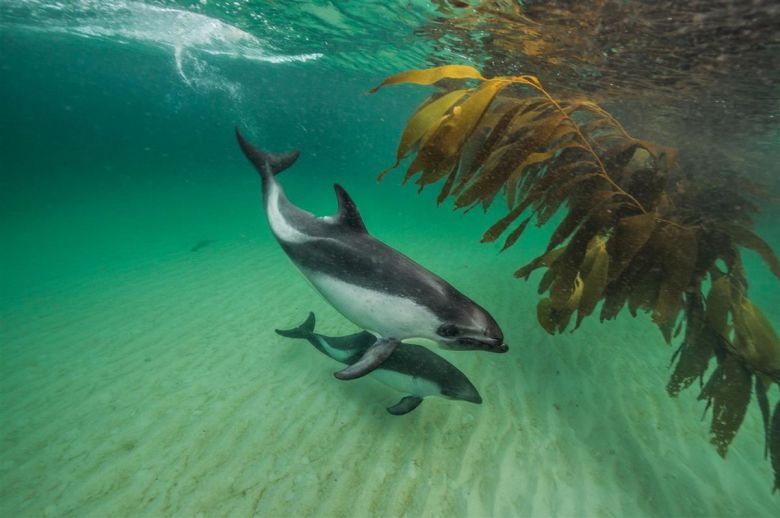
(632, 234)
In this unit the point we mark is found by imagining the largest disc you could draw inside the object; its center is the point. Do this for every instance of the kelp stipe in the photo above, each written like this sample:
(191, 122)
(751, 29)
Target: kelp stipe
(635, 232)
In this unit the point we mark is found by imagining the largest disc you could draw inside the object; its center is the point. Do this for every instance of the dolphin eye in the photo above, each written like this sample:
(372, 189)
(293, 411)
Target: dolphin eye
(447, 330)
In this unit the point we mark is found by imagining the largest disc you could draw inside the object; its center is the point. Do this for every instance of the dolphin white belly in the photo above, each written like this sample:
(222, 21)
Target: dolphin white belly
(406, 384)
(379, 313)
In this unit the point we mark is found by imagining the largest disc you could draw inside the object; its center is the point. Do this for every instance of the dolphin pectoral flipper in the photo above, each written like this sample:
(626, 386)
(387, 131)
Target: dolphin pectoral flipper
(371, 359)
(405, 406)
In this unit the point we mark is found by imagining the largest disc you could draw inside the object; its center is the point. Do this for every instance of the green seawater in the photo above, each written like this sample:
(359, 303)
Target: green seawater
(140, 287)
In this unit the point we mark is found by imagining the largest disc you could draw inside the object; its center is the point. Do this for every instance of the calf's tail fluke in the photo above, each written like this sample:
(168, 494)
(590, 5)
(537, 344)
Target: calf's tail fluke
(264, 161)
(304, 330)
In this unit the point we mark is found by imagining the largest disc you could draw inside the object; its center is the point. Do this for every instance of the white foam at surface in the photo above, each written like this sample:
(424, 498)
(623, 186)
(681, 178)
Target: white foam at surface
(183, 32)
(165, 26)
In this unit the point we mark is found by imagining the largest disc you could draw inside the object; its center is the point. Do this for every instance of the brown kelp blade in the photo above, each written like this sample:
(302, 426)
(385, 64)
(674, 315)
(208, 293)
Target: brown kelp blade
(696, 351)
(748, 239)
(629, 236)
(440, 153)
(430, 76)
(729, 390)
(516, 233)
(424, 119)
(595, 280)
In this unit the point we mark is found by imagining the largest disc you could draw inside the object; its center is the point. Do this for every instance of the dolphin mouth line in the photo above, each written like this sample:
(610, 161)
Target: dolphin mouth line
(483, 344)
(476, 398)
(499, 348)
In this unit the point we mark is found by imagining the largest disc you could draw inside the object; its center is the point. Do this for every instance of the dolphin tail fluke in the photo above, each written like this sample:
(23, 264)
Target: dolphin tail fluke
(304, 330)
(264, 161)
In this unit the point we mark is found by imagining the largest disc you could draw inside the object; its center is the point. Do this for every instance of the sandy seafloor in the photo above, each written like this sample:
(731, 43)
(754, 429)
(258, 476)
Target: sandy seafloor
(142, 379)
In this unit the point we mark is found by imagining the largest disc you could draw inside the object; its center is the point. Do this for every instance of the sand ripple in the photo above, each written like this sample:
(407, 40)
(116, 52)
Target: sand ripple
(162, 390)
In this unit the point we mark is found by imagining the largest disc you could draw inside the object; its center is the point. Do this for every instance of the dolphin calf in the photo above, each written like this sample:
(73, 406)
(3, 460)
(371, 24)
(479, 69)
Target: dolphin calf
(411, 369)
(376, 287)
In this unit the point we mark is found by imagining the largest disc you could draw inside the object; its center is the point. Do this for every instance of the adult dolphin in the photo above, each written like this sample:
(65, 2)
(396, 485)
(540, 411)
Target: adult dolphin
(376, 287)
(412, 370)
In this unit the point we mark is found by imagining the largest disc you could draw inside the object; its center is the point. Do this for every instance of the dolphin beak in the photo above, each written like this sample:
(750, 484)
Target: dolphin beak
(495, 345)
(483, 343)
(474, 398)
(467, 393)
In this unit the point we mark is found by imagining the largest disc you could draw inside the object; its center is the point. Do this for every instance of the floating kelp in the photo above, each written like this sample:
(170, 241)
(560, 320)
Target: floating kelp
(635, 232)
(668, 55)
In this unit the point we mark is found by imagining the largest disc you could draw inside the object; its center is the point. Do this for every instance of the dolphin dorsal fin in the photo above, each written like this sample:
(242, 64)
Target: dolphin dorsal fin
(348, 213)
